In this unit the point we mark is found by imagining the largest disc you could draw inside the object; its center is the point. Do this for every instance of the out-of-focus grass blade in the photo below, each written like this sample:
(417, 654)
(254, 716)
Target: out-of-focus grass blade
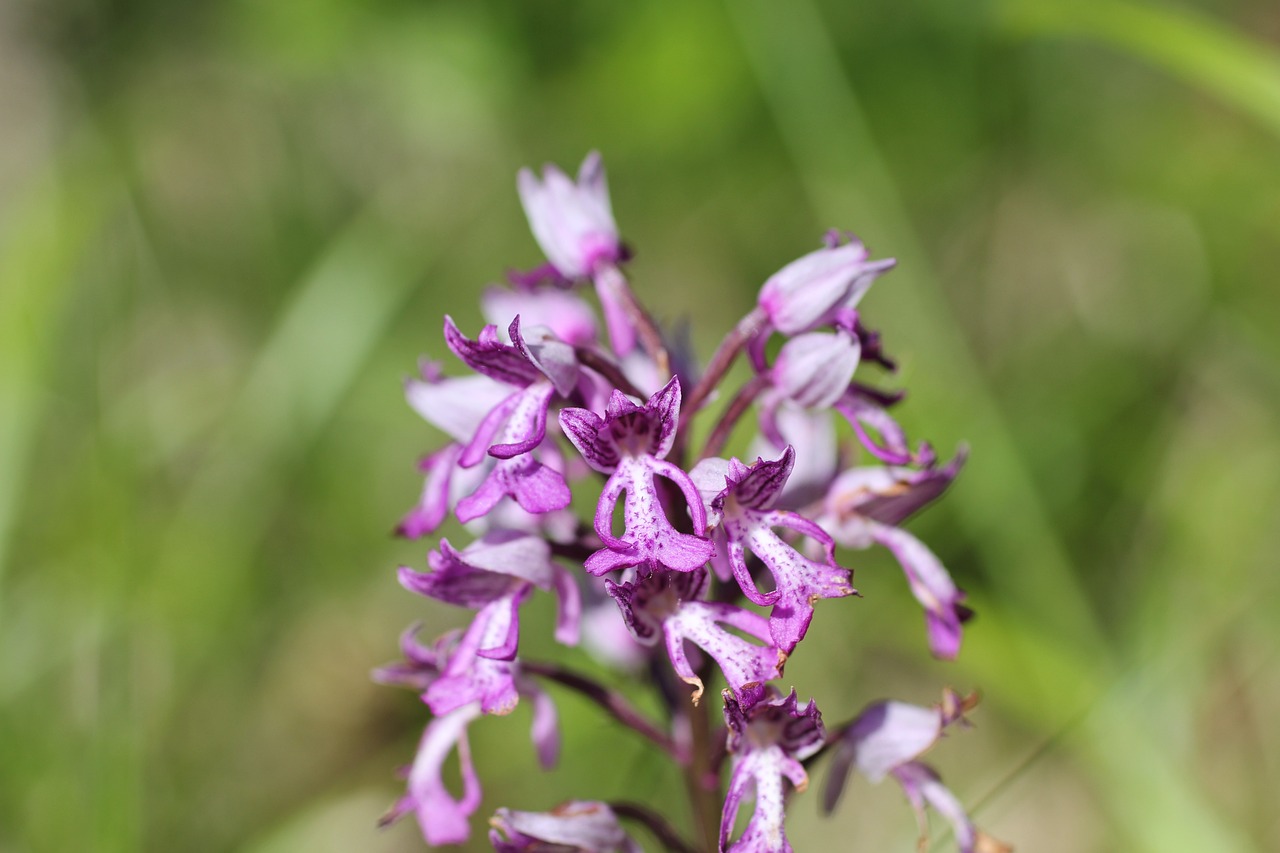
(1240, 71)
(37, 262)
(338, 314)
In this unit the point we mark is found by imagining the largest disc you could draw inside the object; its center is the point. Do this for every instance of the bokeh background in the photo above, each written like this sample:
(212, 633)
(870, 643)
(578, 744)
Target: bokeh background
(229, 229)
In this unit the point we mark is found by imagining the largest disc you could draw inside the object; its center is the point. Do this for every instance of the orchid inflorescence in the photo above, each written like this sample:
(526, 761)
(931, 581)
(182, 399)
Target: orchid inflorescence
(699, 534)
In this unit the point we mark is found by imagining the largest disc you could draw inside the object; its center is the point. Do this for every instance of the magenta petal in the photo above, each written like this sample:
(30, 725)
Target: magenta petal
(526, 424)
(433, 505)
(442, 818)
(554, 358)
(489, 356)
(488, 428)
(862, 414)
(535, 487)
(923, 787)
(584, 429)
(932, 586)
(569, 614)
(663, 409)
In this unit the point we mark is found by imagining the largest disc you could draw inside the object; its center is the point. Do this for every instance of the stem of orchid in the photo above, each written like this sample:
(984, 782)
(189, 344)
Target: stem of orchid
(615, 293)
(656, 824)
(737, 408)
(703, 798)
(609, 370)
(614, 703)
(722, 359)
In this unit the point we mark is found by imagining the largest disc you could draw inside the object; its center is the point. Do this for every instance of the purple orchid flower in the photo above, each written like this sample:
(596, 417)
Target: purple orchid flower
(815, 369)
(538, 367)
(887, 739)
(807, 293)
(746, 517)
(494, 576)
(670, 605)
(768, 738)
(864, 507)
(573, 827)
(573, 223)
(442, 818)
(630, 444)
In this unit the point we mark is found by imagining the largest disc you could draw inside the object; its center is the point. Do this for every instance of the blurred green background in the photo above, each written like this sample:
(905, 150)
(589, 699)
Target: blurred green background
(228, 230)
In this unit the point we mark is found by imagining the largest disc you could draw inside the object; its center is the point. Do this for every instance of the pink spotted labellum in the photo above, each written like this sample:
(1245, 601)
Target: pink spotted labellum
(768, 738)
(630, 444)
(747, 521)
(671, 606)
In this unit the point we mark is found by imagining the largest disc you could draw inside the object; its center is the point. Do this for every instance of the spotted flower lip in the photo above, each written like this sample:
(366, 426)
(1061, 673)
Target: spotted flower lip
(768, 737)
(669, 605)
(572, 220)
(629, 443)
(807, 292)
(573, 827)
(746, 524)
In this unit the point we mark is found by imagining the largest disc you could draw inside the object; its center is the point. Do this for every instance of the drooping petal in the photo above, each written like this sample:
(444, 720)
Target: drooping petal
(748, 525)
(471, 675)
(537, 488)
(442, 818)
(767, 736)
(433, 505)
(649, 539)
(931, 585)
(923, 788)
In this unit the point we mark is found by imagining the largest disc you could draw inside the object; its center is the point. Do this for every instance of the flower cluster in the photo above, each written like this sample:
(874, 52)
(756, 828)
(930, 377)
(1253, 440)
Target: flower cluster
(717, 565)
